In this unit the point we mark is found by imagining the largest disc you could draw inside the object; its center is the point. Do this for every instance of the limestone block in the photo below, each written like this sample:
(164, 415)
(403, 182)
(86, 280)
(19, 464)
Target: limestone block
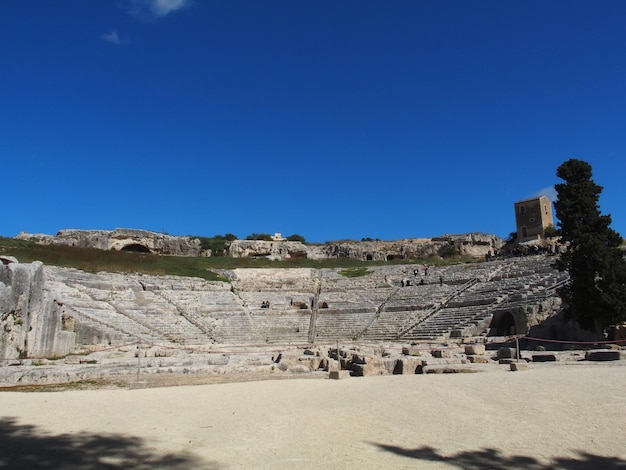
(603, 355)
(515, 366)
(441, 353)
(478, 359)
(474, 349)
(544, 358)
(408, 365)
(364, 370)
(505, 353)
(411, 351)
(339, 374)
(448, 369)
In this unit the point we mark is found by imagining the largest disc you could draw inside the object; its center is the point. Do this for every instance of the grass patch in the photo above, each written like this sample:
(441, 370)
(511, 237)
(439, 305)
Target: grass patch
(355, 272)
(95, 260)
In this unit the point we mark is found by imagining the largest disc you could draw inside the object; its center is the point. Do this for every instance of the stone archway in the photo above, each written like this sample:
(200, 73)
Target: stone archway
(503, 324)
(136, 247)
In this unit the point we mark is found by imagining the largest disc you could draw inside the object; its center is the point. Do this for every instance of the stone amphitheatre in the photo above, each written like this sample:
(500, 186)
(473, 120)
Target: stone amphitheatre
(301, 314)
(392, 331)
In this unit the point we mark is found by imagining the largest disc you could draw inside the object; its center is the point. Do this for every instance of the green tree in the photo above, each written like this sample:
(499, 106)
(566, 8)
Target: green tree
(296, 238)
(260, 236)
(218, 244)
(596, 293)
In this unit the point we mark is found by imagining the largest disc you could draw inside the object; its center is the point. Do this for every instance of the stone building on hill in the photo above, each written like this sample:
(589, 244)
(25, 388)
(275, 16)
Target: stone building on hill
(532, 217)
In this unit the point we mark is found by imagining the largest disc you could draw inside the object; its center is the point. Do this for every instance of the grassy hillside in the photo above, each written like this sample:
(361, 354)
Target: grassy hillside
(94, 260)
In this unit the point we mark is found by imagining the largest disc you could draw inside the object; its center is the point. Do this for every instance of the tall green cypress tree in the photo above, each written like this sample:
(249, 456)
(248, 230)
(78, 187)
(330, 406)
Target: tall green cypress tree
(596, 293)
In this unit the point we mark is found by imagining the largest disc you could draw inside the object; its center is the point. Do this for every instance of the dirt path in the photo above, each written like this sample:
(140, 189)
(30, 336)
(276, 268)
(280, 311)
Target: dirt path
(567, 416)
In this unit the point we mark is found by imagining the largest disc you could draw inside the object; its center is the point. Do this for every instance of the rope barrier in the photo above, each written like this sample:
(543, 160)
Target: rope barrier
(530, 338)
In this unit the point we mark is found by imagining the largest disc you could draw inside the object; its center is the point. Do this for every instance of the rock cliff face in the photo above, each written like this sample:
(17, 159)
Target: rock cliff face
(475, 244)
(121, 239)
(30, 318)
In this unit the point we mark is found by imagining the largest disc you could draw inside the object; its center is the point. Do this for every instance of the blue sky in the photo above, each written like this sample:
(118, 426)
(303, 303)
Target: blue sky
(333, 119)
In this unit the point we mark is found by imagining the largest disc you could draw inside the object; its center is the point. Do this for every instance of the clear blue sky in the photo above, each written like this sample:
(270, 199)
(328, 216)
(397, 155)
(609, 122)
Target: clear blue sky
(331, 119)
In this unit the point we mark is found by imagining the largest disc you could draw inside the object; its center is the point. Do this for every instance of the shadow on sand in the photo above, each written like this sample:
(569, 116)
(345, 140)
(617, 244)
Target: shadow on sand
(25, 447)
(494, 460)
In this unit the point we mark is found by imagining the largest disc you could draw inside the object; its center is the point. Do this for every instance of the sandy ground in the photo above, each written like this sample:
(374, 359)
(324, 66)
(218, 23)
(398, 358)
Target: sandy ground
(549, 416)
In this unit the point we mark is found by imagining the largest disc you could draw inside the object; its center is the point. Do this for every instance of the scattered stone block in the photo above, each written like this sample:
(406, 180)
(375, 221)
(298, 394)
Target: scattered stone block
(478, 359)
(441, 353)
(474, 349)
(544, 358)
(408, 365)
(603, 355)
(411, 351)
(506, 353)
(338, 374)
(515, 366)
(448, 369)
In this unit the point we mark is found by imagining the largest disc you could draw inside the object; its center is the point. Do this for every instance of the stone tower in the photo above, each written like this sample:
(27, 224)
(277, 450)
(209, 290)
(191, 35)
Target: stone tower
(532, 217)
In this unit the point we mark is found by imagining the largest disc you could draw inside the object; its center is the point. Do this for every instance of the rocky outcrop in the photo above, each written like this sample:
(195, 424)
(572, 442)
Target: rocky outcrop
(474, 244)
(121, 239)
(31, 320)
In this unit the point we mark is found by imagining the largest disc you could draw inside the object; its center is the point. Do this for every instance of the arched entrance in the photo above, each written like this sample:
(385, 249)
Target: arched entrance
(136, 247)
(503, 324)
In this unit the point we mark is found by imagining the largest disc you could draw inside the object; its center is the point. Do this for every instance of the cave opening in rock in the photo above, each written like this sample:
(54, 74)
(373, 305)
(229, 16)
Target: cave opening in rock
(136, 247)
(503, 324)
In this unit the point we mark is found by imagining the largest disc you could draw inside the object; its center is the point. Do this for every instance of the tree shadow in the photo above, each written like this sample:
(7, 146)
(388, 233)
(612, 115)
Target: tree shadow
(24, 446)
(493, 459)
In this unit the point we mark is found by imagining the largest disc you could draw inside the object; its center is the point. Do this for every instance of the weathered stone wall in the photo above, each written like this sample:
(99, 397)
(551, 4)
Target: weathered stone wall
(120, 239)
(474, 244)
(30, 319)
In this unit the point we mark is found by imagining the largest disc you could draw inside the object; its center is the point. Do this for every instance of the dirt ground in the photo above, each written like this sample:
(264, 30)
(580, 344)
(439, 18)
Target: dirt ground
(549, 416)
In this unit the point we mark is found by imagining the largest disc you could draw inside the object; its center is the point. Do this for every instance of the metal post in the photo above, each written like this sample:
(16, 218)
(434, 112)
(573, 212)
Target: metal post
(138, 360)
(517, 347)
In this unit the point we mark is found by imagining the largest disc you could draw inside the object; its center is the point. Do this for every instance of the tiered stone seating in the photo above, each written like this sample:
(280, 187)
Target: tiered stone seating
(474, 306)
(282, 305)
(156, 313)
(97, 317)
